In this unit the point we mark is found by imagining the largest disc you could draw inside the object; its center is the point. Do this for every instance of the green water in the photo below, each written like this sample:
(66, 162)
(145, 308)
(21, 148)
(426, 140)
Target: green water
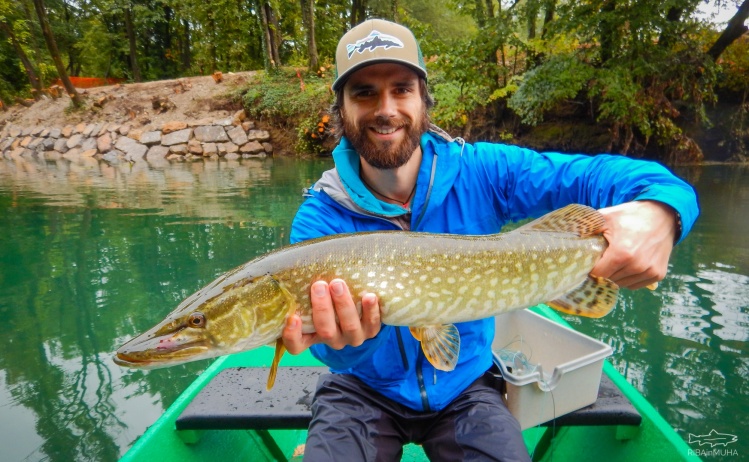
(90, 255)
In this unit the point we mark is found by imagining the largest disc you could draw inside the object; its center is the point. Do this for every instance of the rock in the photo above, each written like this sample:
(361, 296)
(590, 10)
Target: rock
(61, 145)
(89, 153)
(26, 141)
(79, 128)
(104, 142)
(74, 140)
(36, 131)
(180, 149)
(195, 147)
(258, 135)
(124, 130)
(88, 143)
(251, 148)
(44, 133)
(48, 144)
(67, 131)
(173, 126)
(268, 148)
(237, 135)
(178, 137)
(55, 133)
(73, 155)
(210, 134)
(150, 138)
(232, 156)
(90, 128)
(239, 117)
(130, 147)
(230, 148)
(223, 122)
(14, 131)
(209, 149)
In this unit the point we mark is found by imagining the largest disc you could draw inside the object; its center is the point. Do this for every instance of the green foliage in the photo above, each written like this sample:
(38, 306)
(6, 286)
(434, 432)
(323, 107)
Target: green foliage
(558, 80)
(289, 98)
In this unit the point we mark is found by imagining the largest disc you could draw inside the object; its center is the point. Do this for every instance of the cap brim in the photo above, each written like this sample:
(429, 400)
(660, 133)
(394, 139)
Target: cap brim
(341, 80)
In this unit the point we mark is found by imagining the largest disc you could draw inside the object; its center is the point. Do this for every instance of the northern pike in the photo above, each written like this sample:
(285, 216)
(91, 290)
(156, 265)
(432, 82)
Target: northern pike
(427, 282)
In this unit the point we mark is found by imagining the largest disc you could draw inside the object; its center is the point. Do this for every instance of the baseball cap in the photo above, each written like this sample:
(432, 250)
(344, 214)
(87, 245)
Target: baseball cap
(376, 41)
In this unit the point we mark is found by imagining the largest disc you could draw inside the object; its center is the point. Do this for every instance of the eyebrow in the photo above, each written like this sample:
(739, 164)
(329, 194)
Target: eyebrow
(367, 86)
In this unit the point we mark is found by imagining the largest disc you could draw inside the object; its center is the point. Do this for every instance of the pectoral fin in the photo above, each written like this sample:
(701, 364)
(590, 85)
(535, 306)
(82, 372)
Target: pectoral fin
(594, 298)
(441, 345)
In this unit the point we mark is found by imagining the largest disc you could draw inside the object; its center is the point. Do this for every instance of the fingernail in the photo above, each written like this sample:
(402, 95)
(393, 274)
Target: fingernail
(337, 287)
(319, 289)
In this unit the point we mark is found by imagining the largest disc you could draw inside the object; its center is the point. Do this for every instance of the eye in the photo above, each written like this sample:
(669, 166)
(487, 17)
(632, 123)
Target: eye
(196, 319)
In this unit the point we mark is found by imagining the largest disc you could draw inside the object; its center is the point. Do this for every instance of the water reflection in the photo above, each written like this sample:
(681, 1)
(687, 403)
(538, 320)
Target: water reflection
(91, 256)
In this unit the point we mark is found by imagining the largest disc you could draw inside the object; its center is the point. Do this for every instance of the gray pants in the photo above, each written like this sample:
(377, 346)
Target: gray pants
(351, 422)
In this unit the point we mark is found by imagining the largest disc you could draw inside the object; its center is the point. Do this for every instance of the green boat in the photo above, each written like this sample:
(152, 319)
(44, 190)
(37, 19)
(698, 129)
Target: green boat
(653, 439)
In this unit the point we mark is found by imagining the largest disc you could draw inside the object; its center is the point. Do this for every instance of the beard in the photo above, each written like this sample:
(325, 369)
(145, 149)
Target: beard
(389, 154)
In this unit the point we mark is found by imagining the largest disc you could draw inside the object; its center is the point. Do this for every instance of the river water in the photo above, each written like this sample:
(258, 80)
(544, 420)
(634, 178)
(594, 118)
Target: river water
(92, 254)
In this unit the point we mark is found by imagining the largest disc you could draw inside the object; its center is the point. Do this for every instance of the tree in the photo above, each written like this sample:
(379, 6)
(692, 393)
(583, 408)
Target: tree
(308, 21)
(31, 73)
(733, 31)
(49, 38)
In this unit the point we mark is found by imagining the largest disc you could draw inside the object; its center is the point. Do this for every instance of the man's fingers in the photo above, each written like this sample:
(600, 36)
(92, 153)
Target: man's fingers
(349, 318)
(370, 316)
(293, 339)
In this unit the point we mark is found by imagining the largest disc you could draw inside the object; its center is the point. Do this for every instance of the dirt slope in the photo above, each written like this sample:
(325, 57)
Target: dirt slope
(192, 98)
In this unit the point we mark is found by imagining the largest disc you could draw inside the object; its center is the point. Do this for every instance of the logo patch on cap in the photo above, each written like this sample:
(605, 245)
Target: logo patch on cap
(372, 42)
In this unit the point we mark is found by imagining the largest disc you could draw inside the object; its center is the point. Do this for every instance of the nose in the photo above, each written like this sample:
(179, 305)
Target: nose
(386, 106)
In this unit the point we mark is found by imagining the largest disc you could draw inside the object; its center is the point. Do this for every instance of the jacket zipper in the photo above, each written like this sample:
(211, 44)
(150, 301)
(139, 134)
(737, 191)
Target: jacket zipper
(422, 386)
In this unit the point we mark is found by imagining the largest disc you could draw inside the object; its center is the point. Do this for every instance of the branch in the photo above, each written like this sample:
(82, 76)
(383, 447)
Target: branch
(733, 31)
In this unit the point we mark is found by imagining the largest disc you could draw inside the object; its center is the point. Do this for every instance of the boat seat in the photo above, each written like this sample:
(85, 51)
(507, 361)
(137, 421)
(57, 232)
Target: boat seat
(237, 399)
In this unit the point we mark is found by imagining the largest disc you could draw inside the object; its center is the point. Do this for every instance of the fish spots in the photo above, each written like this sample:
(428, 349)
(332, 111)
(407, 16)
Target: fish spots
(467, 270)
(355, 276)
(451, 280)
(371, 274)
(436, 280)
(384, 285)
(562, 260)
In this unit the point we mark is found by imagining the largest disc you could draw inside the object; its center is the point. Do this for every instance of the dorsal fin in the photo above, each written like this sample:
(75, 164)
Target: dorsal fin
(574, 218)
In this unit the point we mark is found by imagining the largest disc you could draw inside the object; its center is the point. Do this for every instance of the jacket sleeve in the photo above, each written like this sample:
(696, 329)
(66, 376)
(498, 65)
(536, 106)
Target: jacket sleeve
(534, 183)
(315, 219)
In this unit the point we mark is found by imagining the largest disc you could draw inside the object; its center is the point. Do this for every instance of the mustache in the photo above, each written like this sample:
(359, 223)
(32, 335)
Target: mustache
(388, 122)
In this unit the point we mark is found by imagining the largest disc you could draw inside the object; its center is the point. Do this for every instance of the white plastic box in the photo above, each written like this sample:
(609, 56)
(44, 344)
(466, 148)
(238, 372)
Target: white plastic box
(558, 372)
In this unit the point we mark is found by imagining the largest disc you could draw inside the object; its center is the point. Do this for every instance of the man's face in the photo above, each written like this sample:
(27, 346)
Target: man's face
(384, 114)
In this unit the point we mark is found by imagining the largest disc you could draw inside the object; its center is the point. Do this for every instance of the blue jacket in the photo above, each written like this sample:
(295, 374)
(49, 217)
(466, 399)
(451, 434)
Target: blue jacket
(466, 189)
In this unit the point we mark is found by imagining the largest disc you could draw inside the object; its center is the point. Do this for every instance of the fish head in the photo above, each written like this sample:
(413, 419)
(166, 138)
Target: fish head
(227, 316)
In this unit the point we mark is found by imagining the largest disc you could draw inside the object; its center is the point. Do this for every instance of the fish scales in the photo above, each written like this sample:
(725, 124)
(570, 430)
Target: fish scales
(419, 283)
(424, 281)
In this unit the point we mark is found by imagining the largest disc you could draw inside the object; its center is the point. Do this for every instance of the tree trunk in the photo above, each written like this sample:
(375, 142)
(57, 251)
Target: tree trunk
(490, 9)
(49, 38)
(130, 30)
(185, 45)
(549, 10)
(270, 62)
(358, 11)
(480, 15)
(275, 34)
(308, 20)
(734, 30)
(36, 84)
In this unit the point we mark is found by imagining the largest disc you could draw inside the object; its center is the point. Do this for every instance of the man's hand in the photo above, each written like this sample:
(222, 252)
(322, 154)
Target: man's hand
(335, 317)
(641, 235)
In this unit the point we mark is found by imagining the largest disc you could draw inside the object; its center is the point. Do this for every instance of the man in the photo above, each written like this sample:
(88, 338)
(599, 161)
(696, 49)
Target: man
(393, 170)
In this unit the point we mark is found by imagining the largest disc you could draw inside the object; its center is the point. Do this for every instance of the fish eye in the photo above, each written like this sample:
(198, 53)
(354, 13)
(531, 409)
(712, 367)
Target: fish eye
(196, 319)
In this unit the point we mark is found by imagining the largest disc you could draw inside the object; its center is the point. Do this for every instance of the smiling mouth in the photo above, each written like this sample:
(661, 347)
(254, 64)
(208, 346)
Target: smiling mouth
(385, 131)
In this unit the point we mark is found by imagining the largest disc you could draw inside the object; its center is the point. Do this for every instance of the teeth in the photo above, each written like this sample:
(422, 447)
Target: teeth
(384, 131)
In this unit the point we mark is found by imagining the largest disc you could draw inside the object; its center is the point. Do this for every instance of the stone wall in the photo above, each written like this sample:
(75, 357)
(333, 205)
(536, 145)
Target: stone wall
(230, 138)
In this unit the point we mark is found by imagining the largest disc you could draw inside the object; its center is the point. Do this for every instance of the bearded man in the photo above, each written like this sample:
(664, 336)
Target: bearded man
(396, 171)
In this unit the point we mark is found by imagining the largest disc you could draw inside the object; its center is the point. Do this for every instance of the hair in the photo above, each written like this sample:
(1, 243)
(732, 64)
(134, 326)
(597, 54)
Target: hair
(336, 118)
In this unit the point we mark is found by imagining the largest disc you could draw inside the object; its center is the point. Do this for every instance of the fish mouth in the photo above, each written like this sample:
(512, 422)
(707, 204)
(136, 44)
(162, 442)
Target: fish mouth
(157, 352)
